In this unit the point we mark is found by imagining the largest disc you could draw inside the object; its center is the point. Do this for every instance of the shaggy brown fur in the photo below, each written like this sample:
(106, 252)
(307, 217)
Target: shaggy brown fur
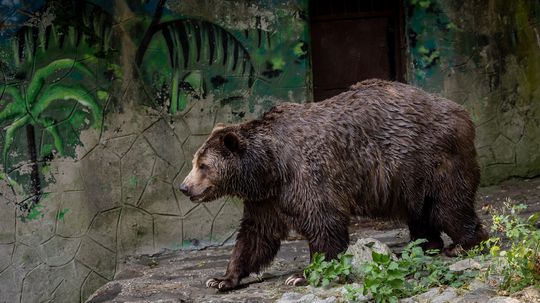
(380, 149)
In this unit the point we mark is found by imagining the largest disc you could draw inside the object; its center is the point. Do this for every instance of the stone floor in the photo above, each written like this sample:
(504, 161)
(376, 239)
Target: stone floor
(179, 276)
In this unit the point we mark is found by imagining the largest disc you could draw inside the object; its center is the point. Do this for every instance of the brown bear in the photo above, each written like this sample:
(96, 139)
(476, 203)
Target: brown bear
(381, 149)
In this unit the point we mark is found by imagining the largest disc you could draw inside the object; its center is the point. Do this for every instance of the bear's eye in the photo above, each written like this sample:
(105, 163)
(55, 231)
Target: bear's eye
(202, 166)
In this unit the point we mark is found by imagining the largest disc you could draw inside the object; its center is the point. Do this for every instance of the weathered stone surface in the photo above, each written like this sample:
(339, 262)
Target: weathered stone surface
(119, 145)
(503, 150)
(164, 171)
(100, 171)
(480, 295)
(227, 220)
(292, 297)
(180, 129)
(42, 226)
(25, 258)
(135, 232)
(158, 198)
(78, 212)
(107, 293)
(171, 152)
(500, 299)
(59, 250)
(137, 167)
(168, 232)
(7, 220)
(89, 139)
(104, 227)
(91, 284)
(448, 295)
(197, 226)
(6, 250)
(530, 294)
(98, 258)
(67, 176)
(464, 265)
(39, 284)
(425, 297)
(11, 288)
(201, 116)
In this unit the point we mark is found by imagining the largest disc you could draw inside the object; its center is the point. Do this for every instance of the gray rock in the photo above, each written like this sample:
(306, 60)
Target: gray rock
(465, 264)
(501, 299)
(477, 284)
(362, 249)
(293, 297)
(331, 299)
(290, 297)
(530, 294)
(480, 295)
(426, 297)
(448, 295)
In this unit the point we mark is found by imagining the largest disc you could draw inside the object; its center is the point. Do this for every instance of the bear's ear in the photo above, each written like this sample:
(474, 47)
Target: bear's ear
(218, 126)
(233, 142)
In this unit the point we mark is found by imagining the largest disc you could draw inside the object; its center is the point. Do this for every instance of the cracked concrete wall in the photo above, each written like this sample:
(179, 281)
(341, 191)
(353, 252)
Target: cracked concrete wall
(486, 56)
(102, 105)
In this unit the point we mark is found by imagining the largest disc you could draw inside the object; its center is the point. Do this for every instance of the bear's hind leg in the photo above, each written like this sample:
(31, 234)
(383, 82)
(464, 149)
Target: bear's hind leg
(257, 243)
(421, 229)
(458, 219)
(453, 190)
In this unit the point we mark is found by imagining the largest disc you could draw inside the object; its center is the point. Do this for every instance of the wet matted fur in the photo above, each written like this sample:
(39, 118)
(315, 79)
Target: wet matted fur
(381, 149)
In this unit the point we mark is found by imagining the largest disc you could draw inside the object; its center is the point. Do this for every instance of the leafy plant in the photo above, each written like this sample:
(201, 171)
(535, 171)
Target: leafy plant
(518, 261)
(388, 280)
(322, 273)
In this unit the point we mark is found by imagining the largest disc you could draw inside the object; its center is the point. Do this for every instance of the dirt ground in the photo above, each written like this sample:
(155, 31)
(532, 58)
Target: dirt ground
(179, 276)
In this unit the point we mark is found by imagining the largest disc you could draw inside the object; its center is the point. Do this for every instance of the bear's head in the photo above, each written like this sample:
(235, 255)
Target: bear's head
(211, 164)
(232, 161)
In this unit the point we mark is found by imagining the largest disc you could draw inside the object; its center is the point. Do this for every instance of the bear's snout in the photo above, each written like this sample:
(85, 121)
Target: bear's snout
(184, 189)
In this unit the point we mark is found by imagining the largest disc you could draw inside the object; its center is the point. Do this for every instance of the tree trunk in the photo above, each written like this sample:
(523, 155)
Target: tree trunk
(34, 175)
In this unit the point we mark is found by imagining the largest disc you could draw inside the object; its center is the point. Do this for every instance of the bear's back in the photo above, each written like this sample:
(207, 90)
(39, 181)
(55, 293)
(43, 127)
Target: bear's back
(387, 113)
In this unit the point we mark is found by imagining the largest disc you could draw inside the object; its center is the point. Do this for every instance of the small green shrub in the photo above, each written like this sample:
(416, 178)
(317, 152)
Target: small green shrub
(322, 273)
(515, 253)
(388, 280)
(514, 256)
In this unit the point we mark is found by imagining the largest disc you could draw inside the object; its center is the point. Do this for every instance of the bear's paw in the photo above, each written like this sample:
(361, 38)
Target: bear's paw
(296, 280)
(221, 284)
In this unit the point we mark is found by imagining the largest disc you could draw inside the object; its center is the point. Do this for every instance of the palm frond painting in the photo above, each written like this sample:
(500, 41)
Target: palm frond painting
(193, 46)
(24, 107)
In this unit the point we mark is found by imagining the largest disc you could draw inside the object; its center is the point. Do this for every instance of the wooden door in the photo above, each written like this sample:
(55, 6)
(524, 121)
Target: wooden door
(353, 41)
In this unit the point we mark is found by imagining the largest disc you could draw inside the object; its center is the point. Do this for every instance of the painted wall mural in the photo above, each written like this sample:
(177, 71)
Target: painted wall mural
(102, 104)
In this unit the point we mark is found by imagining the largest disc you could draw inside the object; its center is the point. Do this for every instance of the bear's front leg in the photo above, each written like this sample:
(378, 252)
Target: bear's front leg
(328, 235)
(257, 243)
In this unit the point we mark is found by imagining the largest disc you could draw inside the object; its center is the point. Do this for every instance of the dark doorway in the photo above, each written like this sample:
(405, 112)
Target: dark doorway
(354, 40)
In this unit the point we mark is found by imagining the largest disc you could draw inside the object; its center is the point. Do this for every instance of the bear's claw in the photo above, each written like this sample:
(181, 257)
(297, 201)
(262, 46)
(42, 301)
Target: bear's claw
(212, 283)
(296, 280)
(220, 284)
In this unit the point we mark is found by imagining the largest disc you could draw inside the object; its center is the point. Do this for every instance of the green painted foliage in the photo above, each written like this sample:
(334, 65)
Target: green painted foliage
(39, 97)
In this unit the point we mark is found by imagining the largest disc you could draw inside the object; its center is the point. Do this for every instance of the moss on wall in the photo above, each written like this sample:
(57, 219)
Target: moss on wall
(486, 56)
